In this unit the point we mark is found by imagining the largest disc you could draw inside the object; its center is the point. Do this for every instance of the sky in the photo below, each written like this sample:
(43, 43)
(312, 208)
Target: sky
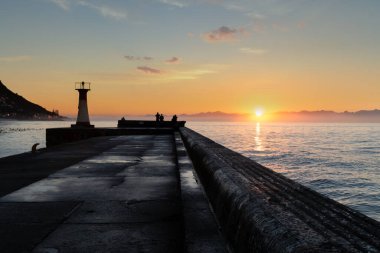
(177, 56)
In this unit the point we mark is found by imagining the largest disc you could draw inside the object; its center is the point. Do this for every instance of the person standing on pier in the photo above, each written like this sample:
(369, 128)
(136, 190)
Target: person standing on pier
(161, 117)
(174, 119)
(157, 117)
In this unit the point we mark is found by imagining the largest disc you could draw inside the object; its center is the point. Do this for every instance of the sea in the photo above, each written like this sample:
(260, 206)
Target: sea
(339, 160)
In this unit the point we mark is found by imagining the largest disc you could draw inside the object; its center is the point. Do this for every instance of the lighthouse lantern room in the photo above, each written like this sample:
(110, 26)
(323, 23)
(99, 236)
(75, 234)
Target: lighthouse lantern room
(83, 119)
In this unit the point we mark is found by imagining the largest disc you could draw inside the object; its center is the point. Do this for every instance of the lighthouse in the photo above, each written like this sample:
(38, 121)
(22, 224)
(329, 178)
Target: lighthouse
(83, 119)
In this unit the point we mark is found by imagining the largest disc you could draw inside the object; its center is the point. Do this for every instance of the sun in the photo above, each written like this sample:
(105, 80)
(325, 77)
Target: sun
(259, 112)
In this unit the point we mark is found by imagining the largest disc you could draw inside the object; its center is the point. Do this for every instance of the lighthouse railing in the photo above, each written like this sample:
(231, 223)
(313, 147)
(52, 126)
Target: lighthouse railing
(83, 86)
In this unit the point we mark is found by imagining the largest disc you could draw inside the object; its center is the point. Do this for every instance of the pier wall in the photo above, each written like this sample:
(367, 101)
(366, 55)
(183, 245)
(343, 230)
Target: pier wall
(262, 211)
(57, 136)
(150, 123)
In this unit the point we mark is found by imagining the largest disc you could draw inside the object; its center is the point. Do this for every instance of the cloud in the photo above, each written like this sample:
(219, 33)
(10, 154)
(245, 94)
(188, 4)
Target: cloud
(129, 57)
(64, 4)
(255, 15)
(105, 11)
(175, 3)
(255, 51)
(172, 60)
(197, 72)
(149, 70)
(138, 58)
(18, 58)
(233, 7)
(223, 34)
(191, 74)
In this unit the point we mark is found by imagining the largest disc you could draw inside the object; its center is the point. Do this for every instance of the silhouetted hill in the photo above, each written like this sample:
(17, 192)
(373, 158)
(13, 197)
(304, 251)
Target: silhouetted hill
(14, 106)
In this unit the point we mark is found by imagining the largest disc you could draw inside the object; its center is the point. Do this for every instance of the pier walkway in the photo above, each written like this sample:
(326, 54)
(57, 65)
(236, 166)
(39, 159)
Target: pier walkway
(133, 193)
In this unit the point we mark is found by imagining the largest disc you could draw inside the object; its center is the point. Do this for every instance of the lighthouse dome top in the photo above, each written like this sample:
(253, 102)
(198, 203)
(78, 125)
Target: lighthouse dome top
(83, 85)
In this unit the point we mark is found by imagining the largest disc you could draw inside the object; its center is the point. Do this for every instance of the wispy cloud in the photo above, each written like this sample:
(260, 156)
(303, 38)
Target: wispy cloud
(233, 6)
(64, 4)
(175, 3)
(249, 8)
(223, 34)
(173, 60)
(191, 74)
(149, 70)
(138, 58)
(103, 10)
(130, 57)
(17, 58)
(255, 15)
(256, 51)
(197, 72)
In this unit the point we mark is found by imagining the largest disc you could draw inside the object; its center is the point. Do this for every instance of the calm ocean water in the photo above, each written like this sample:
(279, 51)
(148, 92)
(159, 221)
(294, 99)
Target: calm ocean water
(341, 161)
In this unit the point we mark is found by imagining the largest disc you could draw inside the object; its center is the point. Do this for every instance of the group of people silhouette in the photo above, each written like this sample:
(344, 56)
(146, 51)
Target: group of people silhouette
(160, 117)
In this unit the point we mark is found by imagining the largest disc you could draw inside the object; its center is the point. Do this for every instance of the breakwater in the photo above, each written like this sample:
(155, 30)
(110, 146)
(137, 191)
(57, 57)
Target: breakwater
(262, 211)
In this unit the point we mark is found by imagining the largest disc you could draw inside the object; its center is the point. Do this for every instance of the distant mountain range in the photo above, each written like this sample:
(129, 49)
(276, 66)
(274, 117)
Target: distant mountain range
(215, 116)
(14, 106)
(365, 116)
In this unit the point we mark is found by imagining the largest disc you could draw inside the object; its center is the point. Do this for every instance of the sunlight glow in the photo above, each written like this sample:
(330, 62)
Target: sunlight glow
(259, 112)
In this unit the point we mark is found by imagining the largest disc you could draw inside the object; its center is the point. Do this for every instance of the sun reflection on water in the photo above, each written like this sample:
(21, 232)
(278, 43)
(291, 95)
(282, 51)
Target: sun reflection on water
(258, 142)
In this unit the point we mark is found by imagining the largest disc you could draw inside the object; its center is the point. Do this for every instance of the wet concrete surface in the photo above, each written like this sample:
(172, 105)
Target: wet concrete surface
(202, 232)
(20, 170)
(122, 194)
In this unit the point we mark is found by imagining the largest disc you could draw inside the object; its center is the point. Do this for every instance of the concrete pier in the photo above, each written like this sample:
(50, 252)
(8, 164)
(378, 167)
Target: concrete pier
(129, 193)
(164, 190)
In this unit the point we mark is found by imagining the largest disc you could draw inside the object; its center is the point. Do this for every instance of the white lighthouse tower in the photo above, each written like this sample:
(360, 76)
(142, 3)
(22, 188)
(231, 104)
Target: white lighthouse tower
(83, 119)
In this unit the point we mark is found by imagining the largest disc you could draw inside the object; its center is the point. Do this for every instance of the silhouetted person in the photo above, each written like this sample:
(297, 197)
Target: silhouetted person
(161, 117)
(174, 119)
(123, 119)
(157, 117)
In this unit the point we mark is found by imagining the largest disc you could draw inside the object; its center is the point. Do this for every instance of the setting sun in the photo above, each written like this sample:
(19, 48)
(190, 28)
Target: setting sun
(259, 112)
